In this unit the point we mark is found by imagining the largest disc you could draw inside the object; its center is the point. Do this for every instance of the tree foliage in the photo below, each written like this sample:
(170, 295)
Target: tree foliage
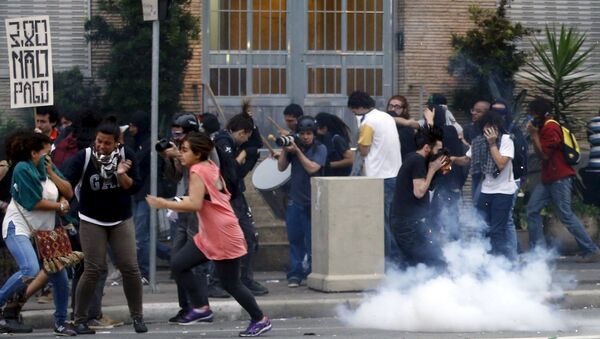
(128, 74)
(558, 71)
(488, 55)
(72, 93)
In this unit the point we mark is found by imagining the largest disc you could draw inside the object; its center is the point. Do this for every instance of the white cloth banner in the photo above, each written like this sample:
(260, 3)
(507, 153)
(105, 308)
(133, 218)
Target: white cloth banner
(30, 61)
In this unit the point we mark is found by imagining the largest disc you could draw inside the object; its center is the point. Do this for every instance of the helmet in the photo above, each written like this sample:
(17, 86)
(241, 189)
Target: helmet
(187, 121)
(306, 123)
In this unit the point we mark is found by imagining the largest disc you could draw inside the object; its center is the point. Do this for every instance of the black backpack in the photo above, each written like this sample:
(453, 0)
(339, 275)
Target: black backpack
(519, 161)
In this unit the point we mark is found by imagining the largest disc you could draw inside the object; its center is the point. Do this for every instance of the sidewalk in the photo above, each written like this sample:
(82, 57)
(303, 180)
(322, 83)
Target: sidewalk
(284, 302)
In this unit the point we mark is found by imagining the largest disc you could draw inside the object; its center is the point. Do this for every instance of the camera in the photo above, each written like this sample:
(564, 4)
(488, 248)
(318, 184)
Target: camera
(286, 140)
(162, 145)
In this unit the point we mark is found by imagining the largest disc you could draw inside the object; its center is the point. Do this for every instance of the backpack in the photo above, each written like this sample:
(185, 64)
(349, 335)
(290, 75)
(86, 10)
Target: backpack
(569, 145)
(520, 158)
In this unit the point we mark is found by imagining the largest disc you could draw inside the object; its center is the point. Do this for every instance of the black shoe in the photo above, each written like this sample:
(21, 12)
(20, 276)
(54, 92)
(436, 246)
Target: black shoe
(14, 326)
(255, 287)
(216, 291)
(83, 329)
(139, 325)
(177, 317)
(64, 330)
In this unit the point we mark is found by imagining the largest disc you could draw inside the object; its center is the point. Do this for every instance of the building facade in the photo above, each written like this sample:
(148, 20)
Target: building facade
(310, 52)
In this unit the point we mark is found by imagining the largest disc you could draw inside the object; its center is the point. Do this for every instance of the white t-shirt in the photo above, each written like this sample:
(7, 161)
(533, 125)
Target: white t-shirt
(378, 130)
(504, 183)
(39, 220)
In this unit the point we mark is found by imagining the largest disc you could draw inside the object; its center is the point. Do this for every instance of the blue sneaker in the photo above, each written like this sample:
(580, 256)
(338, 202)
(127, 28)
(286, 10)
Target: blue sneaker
(194, 317)
(257, 328)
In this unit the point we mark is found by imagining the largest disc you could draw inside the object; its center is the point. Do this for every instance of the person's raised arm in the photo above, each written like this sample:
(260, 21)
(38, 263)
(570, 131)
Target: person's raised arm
(190, 203)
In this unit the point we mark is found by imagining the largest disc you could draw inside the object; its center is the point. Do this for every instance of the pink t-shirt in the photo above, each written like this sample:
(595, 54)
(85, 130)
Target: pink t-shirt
(219, 235)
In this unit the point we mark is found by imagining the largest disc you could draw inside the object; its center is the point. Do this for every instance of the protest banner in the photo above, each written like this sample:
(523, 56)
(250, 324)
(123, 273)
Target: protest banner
(30, 61)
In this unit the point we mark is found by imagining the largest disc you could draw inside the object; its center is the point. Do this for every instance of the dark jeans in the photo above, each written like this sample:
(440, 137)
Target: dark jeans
(244, 215)
(417, 243)
(391, 250)
(228, 272)
(297, 222)
(94, 240)
(495, 210)
(444, 211)
(141, 218)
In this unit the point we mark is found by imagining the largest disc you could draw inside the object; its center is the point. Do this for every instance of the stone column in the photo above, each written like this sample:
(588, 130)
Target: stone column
(347, 234)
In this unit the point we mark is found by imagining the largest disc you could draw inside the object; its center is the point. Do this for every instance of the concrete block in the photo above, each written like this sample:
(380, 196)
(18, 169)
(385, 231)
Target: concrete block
(347, 234)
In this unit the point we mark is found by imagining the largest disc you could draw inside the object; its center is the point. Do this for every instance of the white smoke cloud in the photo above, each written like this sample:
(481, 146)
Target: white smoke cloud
(477, 292)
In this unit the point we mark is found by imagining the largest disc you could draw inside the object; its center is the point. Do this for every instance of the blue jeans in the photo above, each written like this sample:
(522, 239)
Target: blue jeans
(297, 221)
(560, 193)
(22, 250)
(495, 210)
(141, 218)
(391, 250)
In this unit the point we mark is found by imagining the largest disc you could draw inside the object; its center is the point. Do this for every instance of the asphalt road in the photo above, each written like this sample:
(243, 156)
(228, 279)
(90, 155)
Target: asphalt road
(585, 326)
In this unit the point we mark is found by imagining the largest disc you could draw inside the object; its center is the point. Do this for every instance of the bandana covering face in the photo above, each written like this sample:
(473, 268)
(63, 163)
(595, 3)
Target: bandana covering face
(107, 164)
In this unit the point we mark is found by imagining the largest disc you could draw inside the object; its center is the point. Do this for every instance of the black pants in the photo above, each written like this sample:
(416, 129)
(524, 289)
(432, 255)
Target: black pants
(185, 228)
(244, 215)
(228, 271)
(417, 243)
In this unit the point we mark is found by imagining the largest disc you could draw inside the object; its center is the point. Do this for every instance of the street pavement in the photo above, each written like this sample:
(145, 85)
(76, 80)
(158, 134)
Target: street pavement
(301, 302)
(586, 326)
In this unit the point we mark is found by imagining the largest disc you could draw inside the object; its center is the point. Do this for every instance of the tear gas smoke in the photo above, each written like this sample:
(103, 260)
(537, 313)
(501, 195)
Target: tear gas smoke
(476, 292)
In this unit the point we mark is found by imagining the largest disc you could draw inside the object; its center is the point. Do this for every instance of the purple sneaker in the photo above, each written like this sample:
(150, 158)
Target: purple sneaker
(257, 328)
(193, 317)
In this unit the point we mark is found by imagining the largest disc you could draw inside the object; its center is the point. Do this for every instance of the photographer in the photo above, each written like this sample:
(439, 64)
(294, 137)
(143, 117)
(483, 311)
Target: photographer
(307, 158)
(410, 206)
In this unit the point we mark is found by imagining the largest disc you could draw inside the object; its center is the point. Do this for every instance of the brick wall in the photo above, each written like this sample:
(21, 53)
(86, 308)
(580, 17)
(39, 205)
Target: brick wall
(191, 98)
(427, 26)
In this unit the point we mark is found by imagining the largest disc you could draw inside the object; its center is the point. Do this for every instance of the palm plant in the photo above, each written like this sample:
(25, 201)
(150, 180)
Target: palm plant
(560, 73)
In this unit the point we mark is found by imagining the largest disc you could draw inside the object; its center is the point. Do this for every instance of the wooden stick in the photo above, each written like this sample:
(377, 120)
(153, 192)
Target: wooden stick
(279, 128)
(214, 99)
(266, 142)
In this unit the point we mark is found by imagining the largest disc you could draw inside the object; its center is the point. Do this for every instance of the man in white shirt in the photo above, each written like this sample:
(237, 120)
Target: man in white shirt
(379, 145)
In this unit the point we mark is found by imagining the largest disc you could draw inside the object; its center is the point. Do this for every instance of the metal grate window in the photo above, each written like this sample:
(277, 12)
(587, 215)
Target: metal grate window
(324, 24)
(229, 21)
(268, 81)
(365, 79)
(365, 25)
(268, 25)
(324, 80)
(228, 81)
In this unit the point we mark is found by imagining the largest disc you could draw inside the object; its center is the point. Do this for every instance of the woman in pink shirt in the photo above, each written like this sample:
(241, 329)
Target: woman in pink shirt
(219, 237)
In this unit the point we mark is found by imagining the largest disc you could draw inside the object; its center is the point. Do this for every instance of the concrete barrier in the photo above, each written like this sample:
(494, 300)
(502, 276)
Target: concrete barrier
(347, 234)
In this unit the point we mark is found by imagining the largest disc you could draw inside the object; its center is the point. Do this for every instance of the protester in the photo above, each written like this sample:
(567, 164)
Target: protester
(233, 144)
(335, 135)
(491, 156)
(219, 237)
(556, 182)
(399, 109)
(38, 191)
(379, 145)
(291, 114)
(46, 118)
(307, 157)
(410, 206)
(109, 176)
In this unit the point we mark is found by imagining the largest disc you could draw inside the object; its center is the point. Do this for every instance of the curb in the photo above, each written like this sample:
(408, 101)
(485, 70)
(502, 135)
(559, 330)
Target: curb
(224, 310)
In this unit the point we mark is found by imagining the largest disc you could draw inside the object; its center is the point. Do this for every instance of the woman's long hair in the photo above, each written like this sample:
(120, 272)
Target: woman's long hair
(334, 125)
